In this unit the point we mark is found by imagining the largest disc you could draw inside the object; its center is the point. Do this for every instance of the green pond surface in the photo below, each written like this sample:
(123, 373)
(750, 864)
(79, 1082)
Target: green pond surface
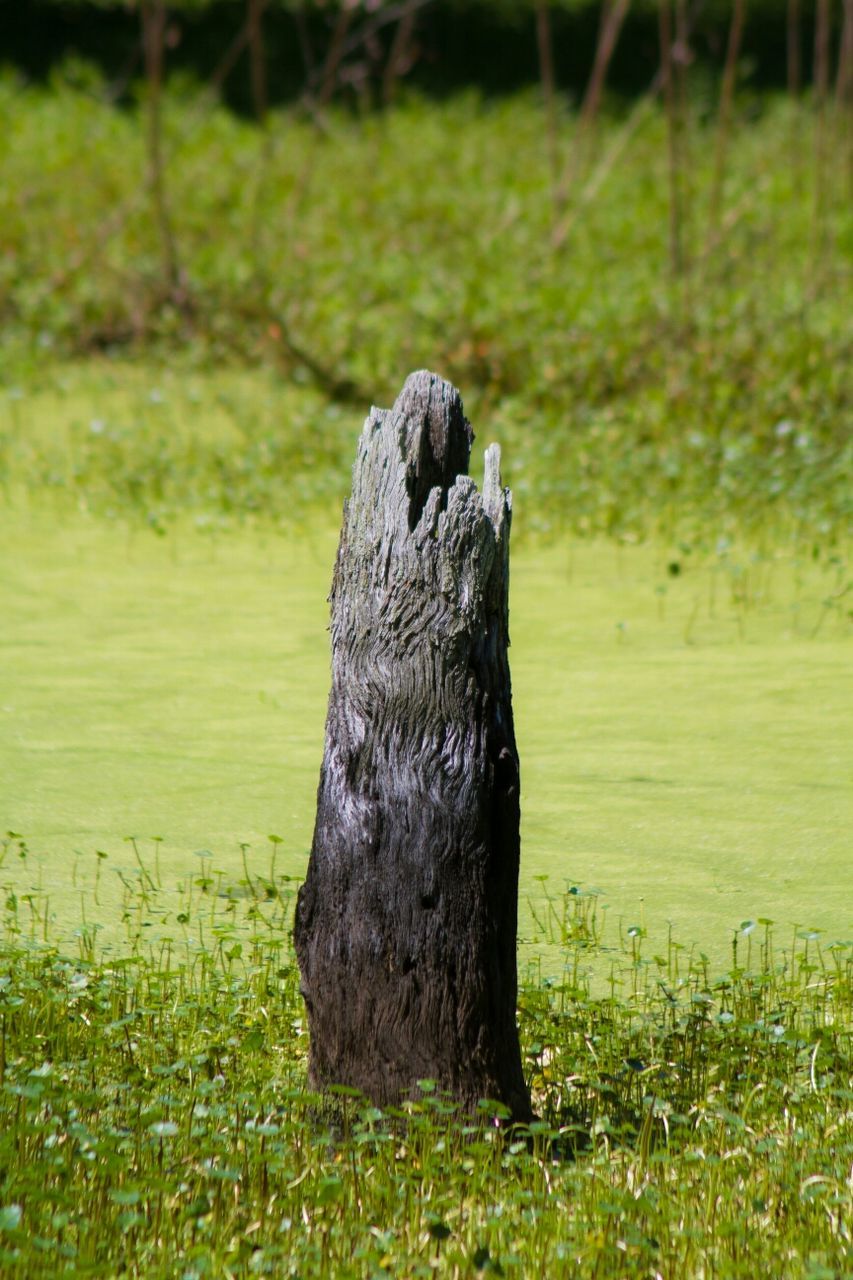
(684, 730)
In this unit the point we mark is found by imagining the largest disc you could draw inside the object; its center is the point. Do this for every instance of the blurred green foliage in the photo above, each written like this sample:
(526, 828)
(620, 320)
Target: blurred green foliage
(346, 255)
(490, 44)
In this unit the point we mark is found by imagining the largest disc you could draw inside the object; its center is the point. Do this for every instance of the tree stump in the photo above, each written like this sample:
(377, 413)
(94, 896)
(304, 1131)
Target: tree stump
(405, 926)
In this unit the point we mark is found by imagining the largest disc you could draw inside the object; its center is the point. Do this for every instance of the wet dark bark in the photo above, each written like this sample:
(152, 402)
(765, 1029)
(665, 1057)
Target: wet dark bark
(406, 924)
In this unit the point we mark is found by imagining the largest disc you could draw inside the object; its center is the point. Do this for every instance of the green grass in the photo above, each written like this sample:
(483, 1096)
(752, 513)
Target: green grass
(630, 402)
(158, 444)
(155, 1119)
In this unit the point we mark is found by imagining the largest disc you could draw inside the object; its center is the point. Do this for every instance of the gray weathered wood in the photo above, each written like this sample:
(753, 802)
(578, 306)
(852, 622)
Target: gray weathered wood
(406, 924)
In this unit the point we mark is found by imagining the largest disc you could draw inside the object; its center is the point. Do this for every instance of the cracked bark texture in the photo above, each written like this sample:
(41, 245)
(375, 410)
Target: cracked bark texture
(405, 925)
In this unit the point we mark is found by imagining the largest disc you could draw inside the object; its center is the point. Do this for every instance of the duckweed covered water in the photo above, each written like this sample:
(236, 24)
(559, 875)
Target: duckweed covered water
(683, 729)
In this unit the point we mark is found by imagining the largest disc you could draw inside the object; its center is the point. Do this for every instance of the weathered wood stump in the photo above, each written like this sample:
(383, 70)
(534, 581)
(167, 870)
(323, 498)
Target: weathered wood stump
(405, 926)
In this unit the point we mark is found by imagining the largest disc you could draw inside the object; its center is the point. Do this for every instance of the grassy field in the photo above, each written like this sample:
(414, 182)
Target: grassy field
(155, 1119)
(710, 401)
(172, 461)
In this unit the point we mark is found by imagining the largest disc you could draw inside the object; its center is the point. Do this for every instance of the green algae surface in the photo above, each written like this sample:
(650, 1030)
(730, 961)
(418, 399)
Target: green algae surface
(684, 729)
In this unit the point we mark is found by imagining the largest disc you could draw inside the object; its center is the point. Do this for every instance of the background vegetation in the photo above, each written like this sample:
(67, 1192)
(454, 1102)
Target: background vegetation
(632, 392)
(442, 46)
(649, 302)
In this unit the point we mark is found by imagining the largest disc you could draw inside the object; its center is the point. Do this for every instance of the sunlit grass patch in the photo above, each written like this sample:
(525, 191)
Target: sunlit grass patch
(327, 266)
(159, 443)
(156, 1120)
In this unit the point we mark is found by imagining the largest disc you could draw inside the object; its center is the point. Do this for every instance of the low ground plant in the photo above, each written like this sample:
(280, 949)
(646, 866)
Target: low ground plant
(156, 1119)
